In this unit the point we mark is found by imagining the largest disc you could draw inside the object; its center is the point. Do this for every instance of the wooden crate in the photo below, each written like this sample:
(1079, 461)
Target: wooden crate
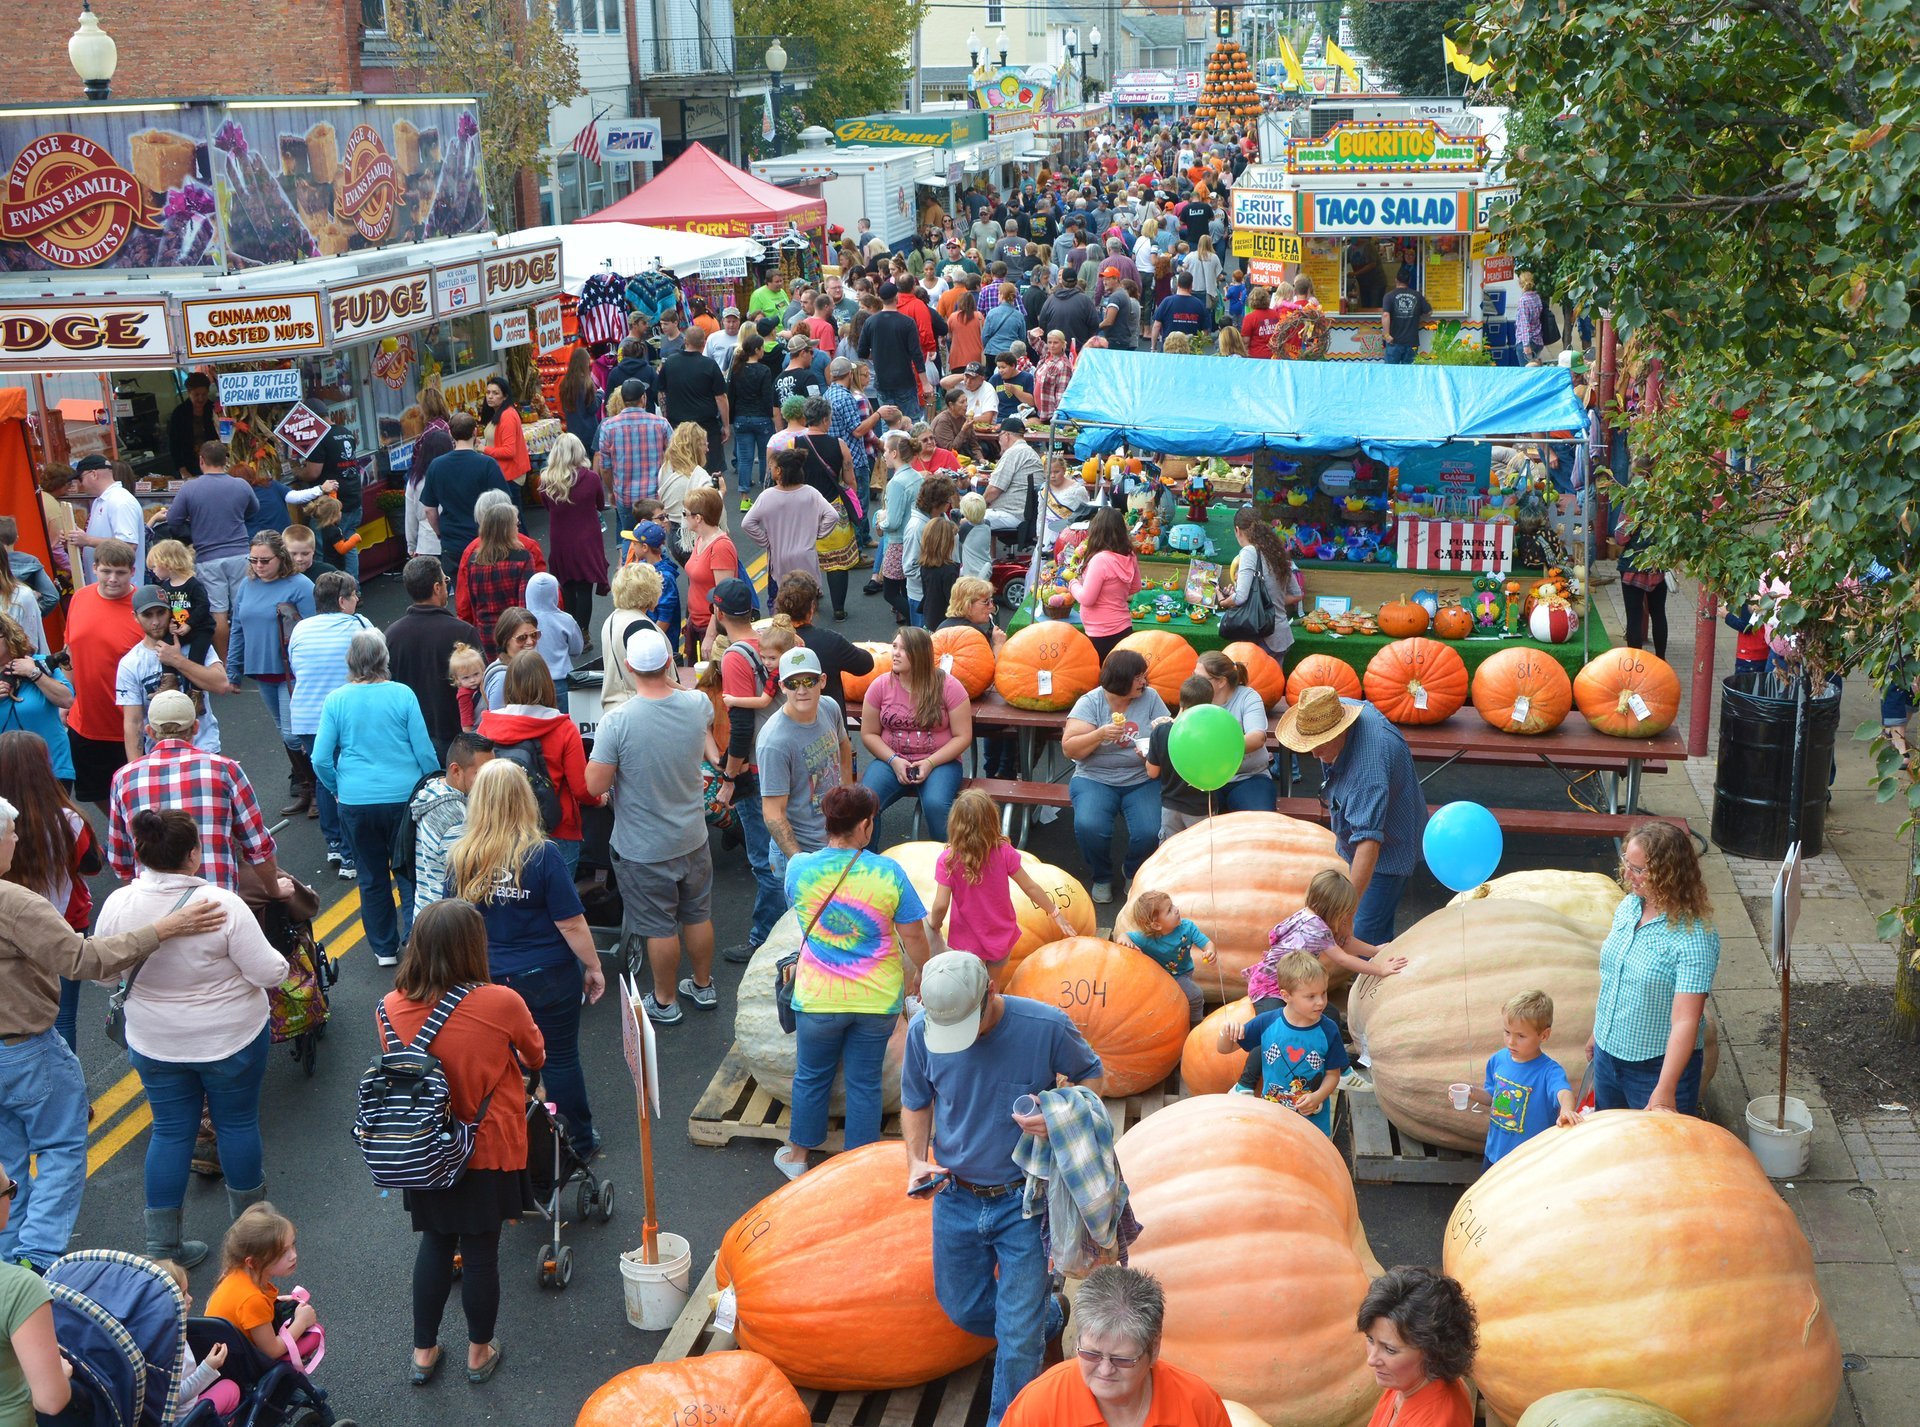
(959, 1399)
(1385, 1154)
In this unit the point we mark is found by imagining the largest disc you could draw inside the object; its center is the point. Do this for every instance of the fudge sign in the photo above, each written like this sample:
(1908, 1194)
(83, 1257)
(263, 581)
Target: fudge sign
(365, 309)
(523, 273)
(71, 202)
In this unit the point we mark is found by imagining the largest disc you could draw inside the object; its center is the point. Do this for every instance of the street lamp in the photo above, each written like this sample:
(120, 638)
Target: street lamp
(93, 54)
(1075, 52)
(776, 66)
(1000, 44)
(974, 47)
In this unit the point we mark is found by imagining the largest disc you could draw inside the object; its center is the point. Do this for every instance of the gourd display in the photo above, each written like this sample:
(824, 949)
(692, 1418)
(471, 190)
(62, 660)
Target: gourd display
(1204, 1068)
(767, 1051)
(732, 1389)
(1131, 1011)
(833, 1279)
(1453, 622)
(1628, 693)
(1170, 661)
(1238, 876)
(856, 685)
(1046, 666)
(1243, 1203)
(1596, 1407)
(1713, 1312)
(1264, 674)
(1522, 691)
(1402, 618)
(919, 860)
(1589, 898)
(965, 654)
(1318, 670)
(1416, 681)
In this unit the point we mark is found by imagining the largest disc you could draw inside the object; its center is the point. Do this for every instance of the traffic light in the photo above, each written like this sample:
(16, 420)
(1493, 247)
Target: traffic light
(1223, 23)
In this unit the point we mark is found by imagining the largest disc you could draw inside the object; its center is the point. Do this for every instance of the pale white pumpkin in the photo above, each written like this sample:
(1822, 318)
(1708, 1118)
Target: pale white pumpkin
(1586, 897)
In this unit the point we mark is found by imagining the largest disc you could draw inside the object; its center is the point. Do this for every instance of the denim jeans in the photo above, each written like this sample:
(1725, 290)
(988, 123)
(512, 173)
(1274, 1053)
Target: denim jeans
(279, 701)
(67, 1020)
(231, 1090)
(1373, 919)
(369, 829)
(569, 850)
(822, 1042)
(1399, 354)
(936, 793)
(770, 893)
(972, 1237)
(907, 399)
(43, 1112)
(328, 805)
(1629, 1084)
(552, 994)
(1252, 794)
(1098, 806)
(750, 437)
(349, 523)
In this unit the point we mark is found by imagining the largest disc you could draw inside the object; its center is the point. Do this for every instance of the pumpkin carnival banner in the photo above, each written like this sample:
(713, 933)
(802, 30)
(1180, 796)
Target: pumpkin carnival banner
(1453, 545)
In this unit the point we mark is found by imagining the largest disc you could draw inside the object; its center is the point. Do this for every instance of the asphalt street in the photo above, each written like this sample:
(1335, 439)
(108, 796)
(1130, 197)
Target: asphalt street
(355, 1245)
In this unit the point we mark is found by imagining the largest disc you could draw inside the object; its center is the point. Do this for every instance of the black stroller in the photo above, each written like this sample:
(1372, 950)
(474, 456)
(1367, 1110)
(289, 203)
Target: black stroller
(298, 1008)
(553, 1164)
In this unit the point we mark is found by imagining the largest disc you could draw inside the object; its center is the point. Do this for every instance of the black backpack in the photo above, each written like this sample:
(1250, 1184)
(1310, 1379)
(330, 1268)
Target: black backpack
(404, 1123)
(527, 757)
(1549, 324)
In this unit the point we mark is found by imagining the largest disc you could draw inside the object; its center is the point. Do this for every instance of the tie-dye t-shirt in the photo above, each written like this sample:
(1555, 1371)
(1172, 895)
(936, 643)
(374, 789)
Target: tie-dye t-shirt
(850, 961)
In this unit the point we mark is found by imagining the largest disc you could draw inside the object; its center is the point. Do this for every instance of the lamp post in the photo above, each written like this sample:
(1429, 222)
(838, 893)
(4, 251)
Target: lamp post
(776, 66)
(1075, 52)
(1000, 44)
(974, 48)
(93, 54)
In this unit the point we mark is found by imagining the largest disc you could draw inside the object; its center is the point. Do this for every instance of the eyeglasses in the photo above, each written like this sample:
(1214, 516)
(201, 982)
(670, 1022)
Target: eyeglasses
(263, 560)
(1088, 1355)
(13, 1188)
(1632, 869)
(803, 681)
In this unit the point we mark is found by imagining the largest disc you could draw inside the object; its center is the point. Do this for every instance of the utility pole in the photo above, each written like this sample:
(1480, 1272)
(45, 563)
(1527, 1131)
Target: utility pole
(913, 84)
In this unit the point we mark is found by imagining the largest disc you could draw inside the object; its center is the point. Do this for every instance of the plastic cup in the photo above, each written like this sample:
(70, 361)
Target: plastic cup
(1459, 1095)
(1026, 1105)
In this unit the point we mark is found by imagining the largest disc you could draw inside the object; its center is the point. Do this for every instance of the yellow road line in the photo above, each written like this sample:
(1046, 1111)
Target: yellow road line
(324, 924)
(118, 1096)
(118, 1137)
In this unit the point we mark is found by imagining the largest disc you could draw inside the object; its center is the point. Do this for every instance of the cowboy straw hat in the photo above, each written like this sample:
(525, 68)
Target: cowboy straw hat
(1318, 716)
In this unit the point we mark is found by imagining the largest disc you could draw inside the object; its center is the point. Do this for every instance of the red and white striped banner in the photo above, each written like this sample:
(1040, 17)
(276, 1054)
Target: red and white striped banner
(1453, 545)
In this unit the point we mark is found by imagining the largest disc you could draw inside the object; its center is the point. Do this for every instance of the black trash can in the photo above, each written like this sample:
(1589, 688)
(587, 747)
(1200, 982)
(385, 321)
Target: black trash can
(1753, 783)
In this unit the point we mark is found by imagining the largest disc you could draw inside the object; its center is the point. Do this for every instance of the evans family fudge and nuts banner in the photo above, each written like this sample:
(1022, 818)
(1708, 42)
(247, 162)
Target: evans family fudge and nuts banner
(218, 187)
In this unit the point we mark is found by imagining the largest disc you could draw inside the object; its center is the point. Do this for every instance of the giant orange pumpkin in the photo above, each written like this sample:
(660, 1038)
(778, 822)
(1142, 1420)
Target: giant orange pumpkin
(833, 1279)
(1417, 681)
(1204, 1068)
(1237, 875)
(1046, 666)
(1646, 1253)
(918, 860)
(1402, 618)
(1243, 1203)
(1264, 674)
(965, 654)
(1131, 1011)
(1615, 688)
(1522, 691)
(735, 1389)
(1453, 622)
(1170, 661)
(856, 685)
(1323, 670)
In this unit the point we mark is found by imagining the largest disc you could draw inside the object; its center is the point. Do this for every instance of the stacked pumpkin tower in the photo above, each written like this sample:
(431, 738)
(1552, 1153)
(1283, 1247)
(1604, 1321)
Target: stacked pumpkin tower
(1228, 94)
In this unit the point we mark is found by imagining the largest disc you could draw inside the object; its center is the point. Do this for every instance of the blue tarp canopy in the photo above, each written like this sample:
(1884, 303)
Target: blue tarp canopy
(1217, 406)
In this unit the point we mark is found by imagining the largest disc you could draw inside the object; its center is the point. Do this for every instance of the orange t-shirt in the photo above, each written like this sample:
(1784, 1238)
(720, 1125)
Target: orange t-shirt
(476, 1049)
(1059, 1397)
(242, 1302)
(1439, 1404)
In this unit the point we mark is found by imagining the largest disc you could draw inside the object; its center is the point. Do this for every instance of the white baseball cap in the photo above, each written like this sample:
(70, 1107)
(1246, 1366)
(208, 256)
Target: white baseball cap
(648, 651)
(953, 989)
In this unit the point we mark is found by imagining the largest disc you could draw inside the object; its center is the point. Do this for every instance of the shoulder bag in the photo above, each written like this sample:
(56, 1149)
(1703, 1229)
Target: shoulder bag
(1254, 619)
(786, 966)
(117, 1001)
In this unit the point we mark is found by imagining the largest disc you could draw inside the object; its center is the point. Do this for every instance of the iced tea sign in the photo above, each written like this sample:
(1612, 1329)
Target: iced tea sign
(301, 429)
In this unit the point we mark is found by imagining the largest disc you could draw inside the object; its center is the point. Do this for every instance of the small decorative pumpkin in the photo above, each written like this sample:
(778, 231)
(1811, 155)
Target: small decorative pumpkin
(1522, 691)
(1402, 618)
(1204, 1068)
(1264, 674)
(1595, 1407)
(1170, 660)
(1552, 622)
(1628, 693)
(856, 685)
(1317, 670)
(965, 654)
(1427, 600)
(1046, 666)
(1453, 622)
(1132, 1013)
(1416, 681)
(731, 1389)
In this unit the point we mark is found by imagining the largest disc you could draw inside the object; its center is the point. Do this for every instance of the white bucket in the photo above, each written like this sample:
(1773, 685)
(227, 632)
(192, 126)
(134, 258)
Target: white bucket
(656, 1292)
(1782, 1153)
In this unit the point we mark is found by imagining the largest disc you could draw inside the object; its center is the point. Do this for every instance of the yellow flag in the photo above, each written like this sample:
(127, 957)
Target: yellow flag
(1457, 58)
(1291, 62)
(1338, 56)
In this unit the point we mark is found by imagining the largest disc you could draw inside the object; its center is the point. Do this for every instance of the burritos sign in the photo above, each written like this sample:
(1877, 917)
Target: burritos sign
(49, 336)
(521, 274)
(384, 304)
(1387, 146)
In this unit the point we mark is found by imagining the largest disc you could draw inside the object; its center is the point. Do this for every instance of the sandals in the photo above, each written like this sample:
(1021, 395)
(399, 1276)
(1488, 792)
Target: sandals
(420, 1375)
(481, 1374)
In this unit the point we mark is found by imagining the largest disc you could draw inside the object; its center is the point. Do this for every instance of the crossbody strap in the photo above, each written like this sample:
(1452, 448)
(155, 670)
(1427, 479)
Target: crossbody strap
(126, 982)
(832, 892)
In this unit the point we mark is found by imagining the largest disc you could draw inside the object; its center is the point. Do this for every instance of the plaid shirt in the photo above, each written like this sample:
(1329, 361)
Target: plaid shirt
(988, 297)
(1373, 794)
(1073, 1178)
(632, 445)
(846, 416)
(211, 788)
(1050, 384)
(1642, 968)
(496, 588)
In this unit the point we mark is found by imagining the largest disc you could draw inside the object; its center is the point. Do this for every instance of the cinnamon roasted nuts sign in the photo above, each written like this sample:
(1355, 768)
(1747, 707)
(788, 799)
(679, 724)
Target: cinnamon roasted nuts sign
(251, 325)
(360, 310)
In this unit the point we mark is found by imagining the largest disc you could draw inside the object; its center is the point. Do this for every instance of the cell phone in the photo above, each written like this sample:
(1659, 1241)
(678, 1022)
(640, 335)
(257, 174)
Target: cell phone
(928, 1187)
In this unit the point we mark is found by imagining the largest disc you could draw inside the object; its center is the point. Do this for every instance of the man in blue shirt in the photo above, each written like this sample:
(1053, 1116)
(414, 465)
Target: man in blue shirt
(973, 1052)
(1180, 311)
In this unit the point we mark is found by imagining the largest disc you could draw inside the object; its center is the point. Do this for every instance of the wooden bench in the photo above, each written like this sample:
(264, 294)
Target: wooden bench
(1546, 822)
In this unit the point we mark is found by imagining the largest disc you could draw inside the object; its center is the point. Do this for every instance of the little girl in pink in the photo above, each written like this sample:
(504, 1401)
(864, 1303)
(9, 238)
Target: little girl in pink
(976, 875)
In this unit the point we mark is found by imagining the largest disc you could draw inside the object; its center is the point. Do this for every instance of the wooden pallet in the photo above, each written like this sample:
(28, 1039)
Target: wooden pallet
(959, 1399)
(1385, 1154)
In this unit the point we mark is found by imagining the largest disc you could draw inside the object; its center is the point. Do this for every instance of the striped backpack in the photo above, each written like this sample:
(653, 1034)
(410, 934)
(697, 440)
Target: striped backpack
(405, 1125)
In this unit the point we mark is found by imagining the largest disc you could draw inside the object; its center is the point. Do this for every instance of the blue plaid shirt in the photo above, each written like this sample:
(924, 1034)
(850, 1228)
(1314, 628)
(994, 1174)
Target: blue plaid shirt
(632, 445)
(1373, 793)
(1642, 968)
(846, 416)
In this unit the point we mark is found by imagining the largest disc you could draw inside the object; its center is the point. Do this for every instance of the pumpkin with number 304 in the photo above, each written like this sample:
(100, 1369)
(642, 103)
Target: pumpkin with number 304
(1132, 1013)
(1522, 691)
(965, 654)
(1417, 681)
(734, 1389)
(1046, 666)
(1628, 693)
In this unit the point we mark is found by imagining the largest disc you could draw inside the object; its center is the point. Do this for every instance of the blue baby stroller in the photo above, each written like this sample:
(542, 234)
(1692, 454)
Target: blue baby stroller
(122, 1324)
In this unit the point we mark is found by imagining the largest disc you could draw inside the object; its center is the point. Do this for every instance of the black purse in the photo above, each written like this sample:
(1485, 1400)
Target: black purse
(1254, 619)
(786, 966)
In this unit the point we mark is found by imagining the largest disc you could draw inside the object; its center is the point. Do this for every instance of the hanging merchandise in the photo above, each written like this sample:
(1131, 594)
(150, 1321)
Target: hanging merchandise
(603, 308)
(653, 293)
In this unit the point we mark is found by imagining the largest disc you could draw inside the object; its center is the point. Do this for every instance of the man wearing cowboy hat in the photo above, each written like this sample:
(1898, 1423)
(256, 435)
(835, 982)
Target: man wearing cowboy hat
(1373, 797)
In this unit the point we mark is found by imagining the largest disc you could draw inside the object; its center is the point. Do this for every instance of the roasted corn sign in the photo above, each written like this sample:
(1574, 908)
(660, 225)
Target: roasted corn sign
(1387, 146)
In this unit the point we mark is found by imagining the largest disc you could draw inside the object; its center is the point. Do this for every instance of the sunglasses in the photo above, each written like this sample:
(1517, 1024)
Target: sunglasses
(1088, 1355)
(803, 681)
(13, 1188)
(263, 560)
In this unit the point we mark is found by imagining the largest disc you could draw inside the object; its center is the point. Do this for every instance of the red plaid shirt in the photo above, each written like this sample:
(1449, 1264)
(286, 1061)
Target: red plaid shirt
(632, 444)
(494, 589)
(211, 788)
(1050, 384)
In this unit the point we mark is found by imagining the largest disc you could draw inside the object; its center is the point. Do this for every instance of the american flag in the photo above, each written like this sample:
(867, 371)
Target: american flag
(586, 143)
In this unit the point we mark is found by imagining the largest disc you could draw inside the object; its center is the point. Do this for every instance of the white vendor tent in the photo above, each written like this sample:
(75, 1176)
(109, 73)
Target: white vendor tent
(588, 248)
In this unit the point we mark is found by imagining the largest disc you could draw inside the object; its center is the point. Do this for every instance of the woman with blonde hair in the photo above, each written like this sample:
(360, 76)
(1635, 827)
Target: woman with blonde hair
(572, 492)
(636, 590)
(537, 939)
(1232, 344)
(435, 440)
(1205, 267)
(683, 468)
(530, 713)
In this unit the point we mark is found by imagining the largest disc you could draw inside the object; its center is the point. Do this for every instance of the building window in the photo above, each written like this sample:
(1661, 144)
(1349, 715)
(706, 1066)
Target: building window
(373, 16)
(996, 12)
(613, 16)
(566, 15)
(590, 16)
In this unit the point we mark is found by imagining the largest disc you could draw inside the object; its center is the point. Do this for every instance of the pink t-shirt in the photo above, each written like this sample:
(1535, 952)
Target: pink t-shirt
(982, 920)
(900, 727)
(1303, 931)
(1103, 590)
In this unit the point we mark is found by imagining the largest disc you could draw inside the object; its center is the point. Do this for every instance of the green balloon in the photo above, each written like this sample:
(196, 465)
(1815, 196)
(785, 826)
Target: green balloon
(1207, 746)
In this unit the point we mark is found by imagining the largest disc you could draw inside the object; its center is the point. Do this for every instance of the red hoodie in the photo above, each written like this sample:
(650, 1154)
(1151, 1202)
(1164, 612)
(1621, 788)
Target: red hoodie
(560, 745)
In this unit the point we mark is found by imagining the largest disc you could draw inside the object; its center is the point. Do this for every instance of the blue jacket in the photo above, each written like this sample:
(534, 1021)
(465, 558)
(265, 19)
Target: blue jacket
(373, 745)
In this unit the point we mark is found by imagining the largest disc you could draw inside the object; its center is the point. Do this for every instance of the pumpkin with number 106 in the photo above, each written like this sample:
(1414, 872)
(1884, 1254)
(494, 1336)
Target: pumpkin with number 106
(734, 1389)
(1046, 666)
(1132, 1013)
(1628, 693)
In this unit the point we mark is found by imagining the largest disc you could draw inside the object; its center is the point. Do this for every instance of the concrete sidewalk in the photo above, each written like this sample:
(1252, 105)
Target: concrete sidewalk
(1859, 1201)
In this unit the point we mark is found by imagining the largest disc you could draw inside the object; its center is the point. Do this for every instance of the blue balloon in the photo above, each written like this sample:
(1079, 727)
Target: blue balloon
(1462, 845)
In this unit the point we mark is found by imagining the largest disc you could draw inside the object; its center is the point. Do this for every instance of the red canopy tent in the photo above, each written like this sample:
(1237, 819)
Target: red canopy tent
(700, 192)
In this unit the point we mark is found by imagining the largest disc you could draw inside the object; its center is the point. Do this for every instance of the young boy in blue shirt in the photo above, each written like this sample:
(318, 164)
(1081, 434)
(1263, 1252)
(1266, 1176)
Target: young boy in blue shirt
(1299, 1046)
(1524, 1085)
(647, 546)
(1171, 939)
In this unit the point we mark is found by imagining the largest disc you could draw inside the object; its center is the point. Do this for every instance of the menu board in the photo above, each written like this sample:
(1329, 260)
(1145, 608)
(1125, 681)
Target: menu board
(1446, 275)
(1320, 260)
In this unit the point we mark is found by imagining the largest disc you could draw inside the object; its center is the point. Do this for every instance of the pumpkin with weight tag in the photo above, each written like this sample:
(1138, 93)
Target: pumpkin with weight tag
(1628, 693)
(732, 1389)
(1046, 666)
(965, 654)
(1522, 691)
(1132, 1013)
(1416, 681)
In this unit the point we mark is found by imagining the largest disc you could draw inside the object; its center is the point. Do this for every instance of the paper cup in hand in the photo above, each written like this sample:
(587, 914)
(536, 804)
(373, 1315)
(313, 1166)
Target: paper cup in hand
(1459, 1094)
(1026, 1105)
